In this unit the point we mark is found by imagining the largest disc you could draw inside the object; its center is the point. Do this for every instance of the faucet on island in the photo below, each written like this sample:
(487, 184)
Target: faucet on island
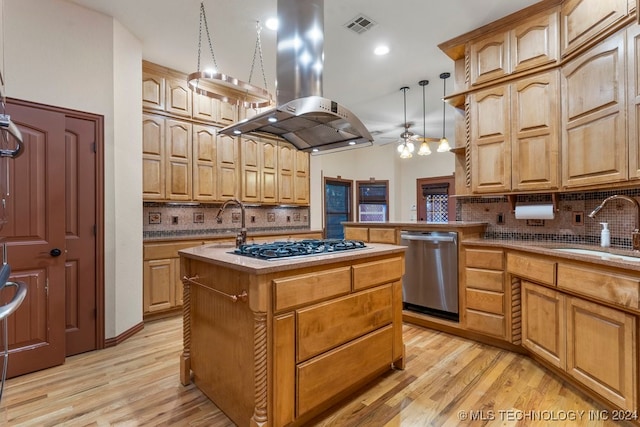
(635, 234)
(241, 237)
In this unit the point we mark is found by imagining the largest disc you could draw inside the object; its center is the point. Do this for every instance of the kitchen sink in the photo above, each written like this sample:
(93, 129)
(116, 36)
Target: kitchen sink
(599, 254)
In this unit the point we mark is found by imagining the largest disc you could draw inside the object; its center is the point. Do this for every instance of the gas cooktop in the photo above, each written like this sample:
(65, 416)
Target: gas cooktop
(279, 250)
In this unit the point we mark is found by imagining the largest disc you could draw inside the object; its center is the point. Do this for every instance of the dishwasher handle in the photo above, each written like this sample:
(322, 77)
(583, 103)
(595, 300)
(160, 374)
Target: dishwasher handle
(428, 238)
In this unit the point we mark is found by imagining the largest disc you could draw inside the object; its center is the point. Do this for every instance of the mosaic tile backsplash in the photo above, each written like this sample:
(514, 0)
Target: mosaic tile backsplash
(161, 220)
(570, 225)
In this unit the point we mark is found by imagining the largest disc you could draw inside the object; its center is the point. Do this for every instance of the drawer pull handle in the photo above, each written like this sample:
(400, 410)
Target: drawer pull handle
(193, 280)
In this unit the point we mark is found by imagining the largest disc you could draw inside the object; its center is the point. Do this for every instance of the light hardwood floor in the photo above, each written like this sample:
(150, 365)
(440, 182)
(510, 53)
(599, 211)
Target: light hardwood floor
(136, 384)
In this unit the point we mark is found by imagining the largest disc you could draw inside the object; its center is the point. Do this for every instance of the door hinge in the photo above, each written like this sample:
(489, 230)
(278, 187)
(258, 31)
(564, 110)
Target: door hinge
(46, 287)
(95, 229)
(94, 147)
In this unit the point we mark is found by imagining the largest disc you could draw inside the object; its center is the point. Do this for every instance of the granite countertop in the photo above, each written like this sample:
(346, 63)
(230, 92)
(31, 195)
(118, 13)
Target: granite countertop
(611, 257)
(418, 224)
(223, 255)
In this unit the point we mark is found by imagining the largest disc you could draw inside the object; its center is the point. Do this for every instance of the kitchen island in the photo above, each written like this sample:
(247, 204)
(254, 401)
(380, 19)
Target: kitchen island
(277, 342)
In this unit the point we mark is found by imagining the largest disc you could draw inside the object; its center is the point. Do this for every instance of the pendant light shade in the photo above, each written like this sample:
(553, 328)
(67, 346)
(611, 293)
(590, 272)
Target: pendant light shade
(424, 146)
(444, 143)
(406, 147)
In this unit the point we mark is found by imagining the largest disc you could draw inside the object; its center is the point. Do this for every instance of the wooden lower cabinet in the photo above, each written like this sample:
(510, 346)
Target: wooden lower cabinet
(596, 345)
(602, 351)
(543, 323)
(161, 285)
(485, 294)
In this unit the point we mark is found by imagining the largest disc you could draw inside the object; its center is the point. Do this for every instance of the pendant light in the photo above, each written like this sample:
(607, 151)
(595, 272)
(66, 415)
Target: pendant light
(407, 148)
(424, 146)
(444, 144)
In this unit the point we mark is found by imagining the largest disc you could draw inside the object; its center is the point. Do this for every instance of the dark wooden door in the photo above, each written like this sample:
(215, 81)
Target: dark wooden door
(52, 205)
(35, 228)
(80, 226)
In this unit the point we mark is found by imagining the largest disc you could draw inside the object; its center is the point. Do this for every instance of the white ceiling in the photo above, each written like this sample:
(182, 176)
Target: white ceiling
(366, 84)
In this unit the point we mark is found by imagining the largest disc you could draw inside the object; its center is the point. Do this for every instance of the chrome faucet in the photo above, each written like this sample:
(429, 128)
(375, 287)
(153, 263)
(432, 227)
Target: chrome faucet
(635, 234)
(241, 237)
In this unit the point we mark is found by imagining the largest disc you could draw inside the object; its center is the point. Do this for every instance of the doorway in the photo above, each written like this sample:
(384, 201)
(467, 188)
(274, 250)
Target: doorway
(337, 206)
(54, 236)
(433, 196)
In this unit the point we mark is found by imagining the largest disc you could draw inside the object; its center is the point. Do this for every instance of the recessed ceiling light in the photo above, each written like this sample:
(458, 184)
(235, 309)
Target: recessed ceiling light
(381, 50)
(272, 23)
(272, 119)
(352, 143)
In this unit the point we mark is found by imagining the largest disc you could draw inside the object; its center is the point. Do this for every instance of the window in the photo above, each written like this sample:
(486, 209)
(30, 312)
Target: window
(433, 196)
(337, 206)
(373, 201)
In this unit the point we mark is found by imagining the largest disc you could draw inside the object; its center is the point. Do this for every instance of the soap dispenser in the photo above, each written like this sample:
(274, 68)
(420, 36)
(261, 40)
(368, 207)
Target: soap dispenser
(605, 235)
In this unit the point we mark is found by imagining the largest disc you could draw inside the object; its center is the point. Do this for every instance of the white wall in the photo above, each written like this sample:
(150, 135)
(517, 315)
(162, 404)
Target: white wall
(64, 55)
(381, 163)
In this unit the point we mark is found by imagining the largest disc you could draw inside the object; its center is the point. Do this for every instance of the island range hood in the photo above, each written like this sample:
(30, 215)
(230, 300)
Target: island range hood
(302, 115)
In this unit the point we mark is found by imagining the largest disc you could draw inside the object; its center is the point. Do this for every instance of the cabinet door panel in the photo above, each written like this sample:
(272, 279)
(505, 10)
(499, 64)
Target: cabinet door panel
(178, 97)
(490, 140)
(153, 162)
(582, 20)
(489, 58)
(543, 323)
(250, 166)
(159, 285)
(286, 165)
(535, 145)
(535, 42)
(633, 76)
(227, 169)
(269, 176)
(594, 124)
(204, 163)
(152, 91)
(178, 144)
(601, 351)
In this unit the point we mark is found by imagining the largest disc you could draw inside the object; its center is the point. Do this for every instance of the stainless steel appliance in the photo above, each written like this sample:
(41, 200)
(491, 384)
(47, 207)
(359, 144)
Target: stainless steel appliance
(302, 115)
(430, 283)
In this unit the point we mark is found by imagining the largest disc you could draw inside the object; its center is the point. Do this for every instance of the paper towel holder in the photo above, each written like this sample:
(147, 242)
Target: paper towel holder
(513, 198)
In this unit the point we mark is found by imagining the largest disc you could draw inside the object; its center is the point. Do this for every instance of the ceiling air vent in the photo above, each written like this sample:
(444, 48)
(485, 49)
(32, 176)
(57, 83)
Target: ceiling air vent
(360, 24)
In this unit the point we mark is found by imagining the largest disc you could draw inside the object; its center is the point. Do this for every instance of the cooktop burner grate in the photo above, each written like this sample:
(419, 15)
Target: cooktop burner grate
(278, 250)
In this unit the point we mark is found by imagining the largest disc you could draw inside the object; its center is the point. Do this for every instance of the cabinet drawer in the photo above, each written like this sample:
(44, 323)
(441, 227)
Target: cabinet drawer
(532, 268)
(167, 250)
(331, 373)
(490, 259)
(609, 287)
(485, 279)
(333, 323)
(314, 287)
(488, 301)
(377, 272)
(356, 233)
(487, 323)
(382, 235)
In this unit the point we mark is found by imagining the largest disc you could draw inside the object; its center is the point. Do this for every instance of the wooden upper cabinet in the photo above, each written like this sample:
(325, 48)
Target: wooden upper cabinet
(535, 42)
(153, 159)
(153, 91)
(250, 148)
(301, 178)
(490, 140)
(633, 81)
(204, 163)
(535, 132)
(227, 167)
(286, 166)
(594, 115)
(178, 145)
(583, 20)
(269, 171)
(178, 97)
(489, 58)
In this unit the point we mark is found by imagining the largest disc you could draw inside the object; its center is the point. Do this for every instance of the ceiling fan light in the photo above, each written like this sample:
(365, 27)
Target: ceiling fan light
(400, 148)
(443, 146)
(424, 149)
(405, 154)
(410, 146)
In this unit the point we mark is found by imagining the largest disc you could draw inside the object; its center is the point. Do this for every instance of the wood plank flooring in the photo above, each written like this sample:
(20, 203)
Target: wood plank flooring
(136, 384)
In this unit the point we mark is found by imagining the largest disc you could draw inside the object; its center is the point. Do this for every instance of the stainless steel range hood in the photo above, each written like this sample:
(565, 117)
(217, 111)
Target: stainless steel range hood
(302, 115)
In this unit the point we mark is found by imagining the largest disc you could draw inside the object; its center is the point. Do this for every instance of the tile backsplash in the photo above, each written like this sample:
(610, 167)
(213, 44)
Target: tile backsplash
(571, 223)
(176, 220)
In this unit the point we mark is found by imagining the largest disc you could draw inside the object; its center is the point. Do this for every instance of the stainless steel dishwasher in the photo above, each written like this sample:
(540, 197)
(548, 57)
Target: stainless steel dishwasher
(430, 283)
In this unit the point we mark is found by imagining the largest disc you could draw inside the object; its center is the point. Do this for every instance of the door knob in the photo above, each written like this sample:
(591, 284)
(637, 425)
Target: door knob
(55, 252)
